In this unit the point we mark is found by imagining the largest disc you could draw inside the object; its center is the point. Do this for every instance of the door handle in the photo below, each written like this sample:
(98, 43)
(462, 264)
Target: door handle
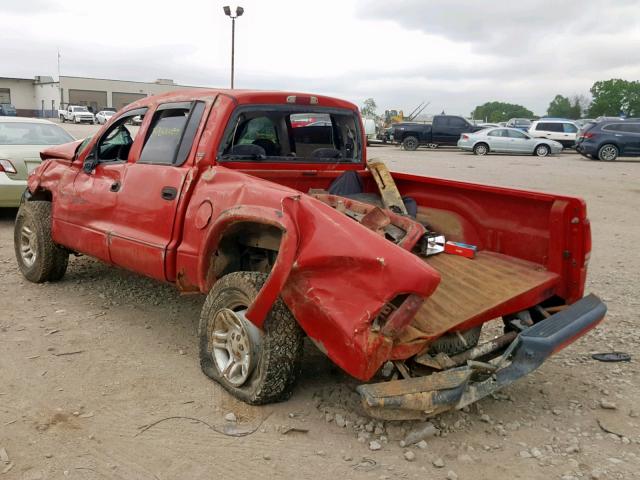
(115, 186)
(169, 193)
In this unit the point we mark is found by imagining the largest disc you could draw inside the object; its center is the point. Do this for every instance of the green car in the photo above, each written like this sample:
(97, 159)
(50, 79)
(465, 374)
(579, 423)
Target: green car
(21, 140)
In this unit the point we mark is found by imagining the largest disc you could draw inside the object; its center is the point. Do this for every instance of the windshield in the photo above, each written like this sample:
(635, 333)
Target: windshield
(23, 133)
(79, 109)
(292, 134)
(522, 123)
(108, 113)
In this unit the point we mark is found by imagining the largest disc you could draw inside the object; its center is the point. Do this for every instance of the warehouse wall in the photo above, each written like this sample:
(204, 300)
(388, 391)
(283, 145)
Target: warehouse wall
(21, 94)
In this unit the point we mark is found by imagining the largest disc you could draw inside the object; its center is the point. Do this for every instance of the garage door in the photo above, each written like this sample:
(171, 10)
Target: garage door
(90, 98)
(121, 99)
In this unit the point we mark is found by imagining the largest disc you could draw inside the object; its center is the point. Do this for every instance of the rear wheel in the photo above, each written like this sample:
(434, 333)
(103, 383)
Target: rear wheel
(39, 259)
(608, 152)
(481, 149)
(410, 143)
(256, 366)
(542, 150)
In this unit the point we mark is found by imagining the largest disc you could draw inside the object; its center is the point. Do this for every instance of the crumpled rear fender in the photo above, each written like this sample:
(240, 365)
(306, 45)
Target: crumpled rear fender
(342, 277)
(272, 288)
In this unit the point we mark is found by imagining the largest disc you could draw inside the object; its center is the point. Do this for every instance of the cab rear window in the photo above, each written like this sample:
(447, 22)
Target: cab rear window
(292, 134)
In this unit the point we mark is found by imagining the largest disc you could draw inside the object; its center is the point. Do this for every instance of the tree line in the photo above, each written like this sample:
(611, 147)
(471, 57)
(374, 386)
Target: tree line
(614, 97)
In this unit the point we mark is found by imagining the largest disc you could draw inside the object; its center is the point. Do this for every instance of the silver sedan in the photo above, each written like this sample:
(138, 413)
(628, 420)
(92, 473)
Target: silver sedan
(507, 140)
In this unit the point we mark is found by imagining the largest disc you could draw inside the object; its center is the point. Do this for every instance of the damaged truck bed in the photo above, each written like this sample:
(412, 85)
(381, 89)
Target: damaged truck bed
(265, 203)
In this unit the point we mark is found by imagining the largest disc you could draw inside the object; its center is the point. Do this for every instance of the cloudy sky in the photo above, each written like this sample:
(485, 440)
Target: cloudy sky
(454, 53)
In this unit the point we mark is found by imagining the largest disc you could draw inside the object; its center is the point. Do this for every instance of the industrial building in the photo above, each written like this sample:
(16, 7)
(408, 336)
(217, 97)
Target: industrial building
(42, 96)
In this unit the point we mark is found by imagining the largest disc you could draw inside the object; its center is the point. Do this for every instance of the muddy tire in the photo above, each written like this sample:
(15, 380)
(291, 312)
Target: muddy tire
(39, 259)
(269, 359)
(451, 344)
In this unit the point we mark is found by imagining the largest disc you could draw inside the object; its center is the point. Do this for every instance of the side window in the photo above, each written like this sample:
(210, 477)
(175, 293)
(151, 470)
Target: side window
(614, 127)
(516, 134)
(633, 127)
(569, 128)
(542, 126)
(495, 133)
(172, 133)
(455, 122)
(116, 143)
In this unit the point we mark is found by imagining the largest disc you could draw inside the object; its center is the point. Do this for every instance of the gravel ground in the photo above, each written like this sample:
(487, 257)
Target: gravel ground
(87, 363)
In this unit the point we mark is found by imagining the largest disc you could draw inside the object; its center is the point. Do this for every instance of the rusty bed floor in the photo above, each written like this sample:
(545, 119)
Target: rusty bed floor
(470, 287)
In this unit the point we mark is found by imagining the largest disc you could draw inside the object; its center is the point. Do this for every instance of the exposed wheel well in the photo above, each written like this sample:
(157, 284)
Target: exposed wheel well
(247, 246)
(41, 195)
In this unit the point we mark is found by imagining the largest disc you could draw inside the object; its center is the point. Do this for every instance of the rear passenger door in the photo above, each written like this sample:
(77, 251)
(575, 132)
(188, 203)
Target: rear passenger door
(149, 192)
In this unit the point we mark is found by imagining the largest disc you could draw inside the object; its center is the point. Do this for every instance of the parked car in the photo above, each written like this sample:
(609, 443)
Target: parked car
(290, 232)
(21, 140)
(103, 116)
(563, 131)
(76, 114)
(369, 125)
(507, 140)
(7, 110)
(519, 123)
(487, 125)
(609, 139)
(444, 130)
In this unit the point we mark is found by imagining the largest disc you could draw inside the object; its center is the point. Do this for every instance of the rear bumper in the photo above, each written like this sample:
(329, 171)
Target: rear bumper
(11, 191)
(427, 396)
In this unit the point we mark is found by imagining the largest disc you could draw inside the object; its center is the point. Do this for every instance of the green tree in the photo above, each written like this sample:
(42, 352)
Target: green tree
(563, 107)
(500, 112)
(614, 97)
(369, 108)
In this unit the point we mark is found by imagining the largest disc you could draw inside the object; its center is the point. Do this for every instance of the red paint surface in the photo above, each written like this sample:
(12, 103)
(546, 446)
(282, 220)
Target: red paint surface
(334, 274)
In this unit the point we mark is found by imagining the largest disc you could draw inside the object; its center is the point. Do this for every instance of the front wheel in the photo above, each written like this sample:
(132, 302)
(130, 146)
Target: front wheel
(542, 150)
(39, 259)
(608, 152)
(410, 143)
(256, 366)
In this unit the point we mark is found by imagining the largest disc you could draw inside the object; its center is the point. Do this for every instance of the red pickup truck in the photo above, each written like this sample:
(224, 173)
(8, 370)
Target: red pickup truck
(289, 232)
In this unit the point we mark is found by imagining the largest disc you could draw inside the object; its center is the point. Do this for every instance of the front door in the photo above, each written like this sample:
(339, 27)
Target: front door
(151, 190)
(90, 198)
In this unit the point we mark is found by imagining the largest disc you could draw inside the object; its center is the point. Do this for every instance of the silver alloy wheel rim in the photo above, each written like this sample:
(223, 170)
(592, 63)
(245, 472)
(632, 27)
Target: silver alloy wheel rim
(481, 149)
(542, 151)
(27, 245)
(608, 153)
(233, 343)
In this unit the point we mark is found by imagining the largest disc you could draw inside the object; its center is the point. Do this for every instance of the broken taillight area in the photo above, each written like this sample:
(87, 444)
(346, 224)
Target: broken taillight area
(397, 314)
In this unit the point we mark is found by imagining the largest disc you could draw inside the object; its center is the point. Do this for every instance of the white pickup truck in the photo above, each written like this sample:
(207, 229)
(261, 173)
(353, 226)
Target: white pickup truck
(76, 114)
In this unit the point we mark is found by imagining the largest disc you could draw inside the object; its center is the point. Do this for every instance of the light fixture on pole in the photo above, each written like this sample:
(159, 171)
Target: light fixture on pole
(238, 13)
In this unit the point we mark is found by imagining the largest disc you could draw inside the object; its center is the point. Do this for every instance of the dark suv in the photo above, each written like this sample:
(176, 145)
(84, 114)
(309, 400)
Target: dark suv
(608, 139)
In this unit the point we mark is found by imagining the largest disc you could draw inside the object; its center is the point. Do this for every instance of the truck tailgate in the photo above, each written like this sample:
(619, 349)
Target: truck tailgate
(473, 291)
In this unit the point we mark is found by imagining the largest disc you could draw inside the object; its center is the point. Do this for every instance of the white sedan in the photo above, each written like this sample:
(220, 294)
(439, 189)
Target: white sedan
(507, 140)
(103, 116)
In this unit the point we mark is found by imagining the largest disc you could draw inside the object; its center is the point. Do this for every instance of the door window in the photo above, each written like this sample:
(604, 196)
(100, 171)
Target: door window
(516, 134)
(172, 133)
(569, 128)
(549, 127)
(116, 142)
(455, 122)
(501, 132)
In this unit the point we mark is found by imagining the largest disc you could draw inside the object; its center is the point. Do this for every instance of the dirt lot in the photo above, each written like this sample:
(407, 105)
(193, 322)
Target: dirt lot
(87, 363)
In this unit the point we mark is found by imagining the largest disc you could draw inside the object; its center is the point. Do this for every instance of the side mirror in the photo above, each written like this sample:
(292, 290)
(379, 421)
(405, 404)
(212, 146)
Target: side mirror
(90, 163)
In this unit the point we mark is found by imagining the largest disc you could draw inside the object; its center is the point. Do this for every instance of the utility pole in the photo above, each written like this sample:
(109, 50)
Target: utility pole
(59, 82)
(238, 13)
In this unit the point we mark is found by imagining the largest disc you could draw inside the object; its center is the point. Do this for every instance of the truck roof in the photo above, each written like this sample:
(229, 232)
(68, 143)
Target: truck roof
(243, 97)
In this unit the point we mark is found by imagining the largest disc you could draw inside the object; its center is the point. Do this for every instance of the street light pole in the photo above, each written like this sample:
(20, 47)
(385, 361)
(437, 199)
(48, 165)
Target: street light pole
(238, 13)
